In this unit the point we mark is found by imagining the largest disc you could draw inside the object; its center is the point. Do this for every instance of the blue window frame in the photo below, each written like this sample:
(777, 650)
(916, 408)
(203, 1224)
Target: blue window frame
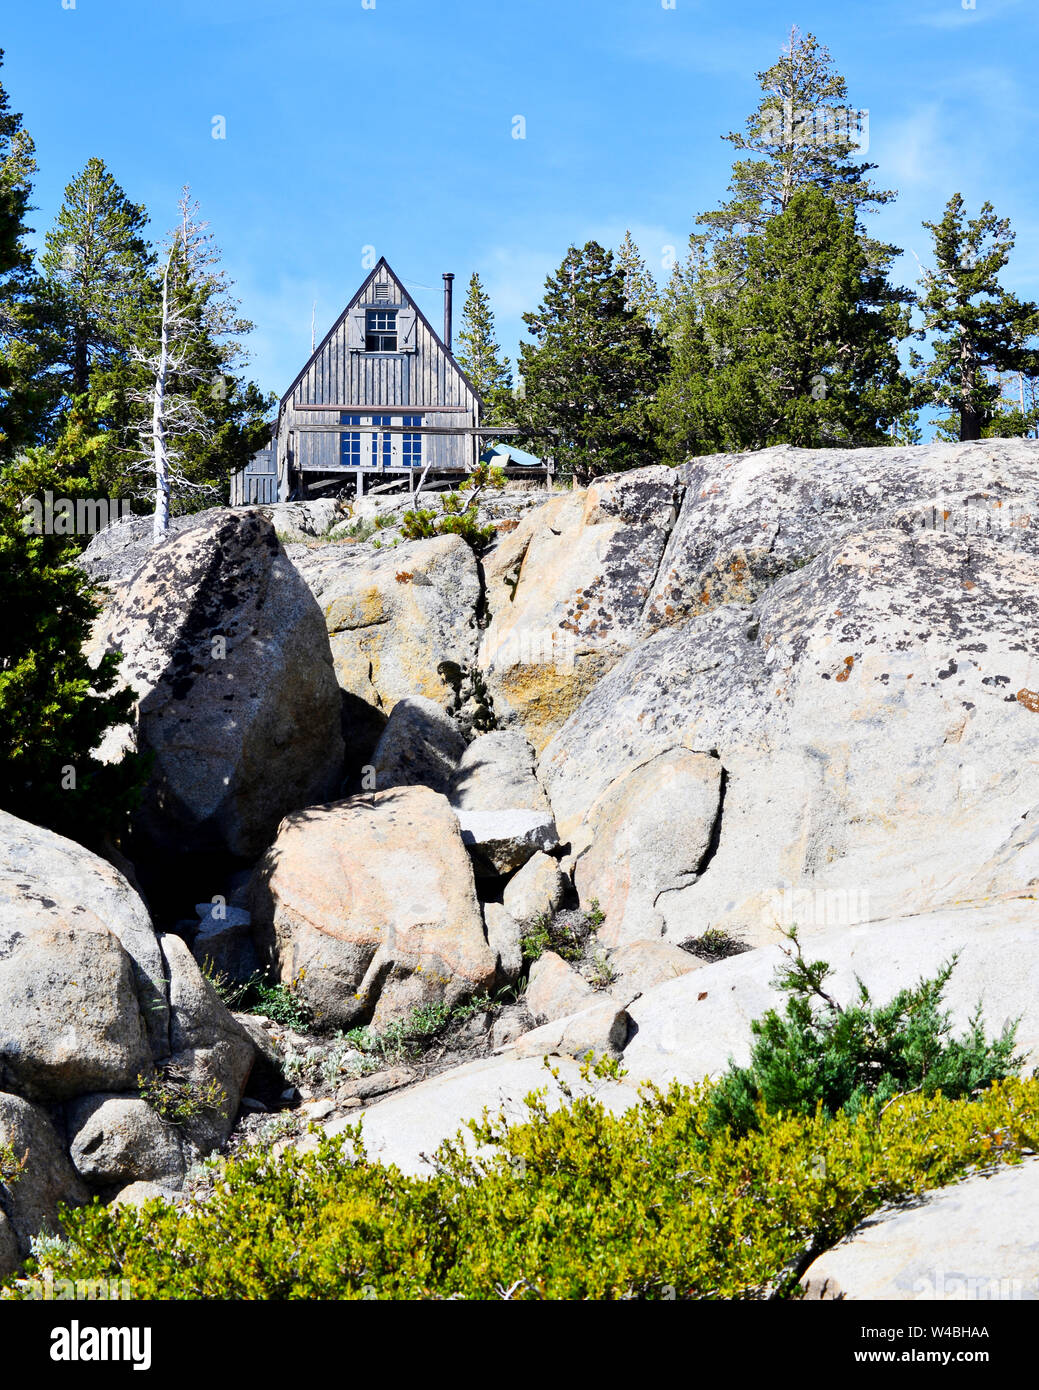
(350, 443)
(386, 441)
(412, 444)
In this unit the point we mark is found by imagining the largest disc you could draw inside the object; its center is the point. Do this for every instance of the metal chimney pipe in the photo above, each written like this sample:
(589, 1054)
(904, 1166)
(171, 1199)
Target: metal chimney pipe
(448, 277)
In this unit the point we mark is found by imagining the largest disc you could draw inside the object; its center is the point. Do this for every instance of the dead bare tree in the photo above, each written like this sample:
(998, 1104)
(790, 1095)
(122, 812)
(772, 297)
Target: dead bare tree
(197, 312)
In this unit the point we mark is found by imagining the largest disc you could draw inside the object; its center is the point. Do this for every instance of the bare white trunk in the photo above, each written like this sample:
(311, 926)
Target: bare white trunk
(422, 478)
(161, 521)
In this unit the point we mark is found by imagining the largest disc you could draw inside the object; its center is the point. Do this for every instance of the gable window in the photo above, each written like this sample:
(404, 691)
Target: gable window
(380, 330)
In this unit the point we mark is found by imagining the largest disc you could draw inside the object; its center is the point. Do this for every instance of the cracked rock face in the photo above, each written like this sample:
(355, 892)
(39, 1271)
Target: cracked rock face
(872, 711)
(748, 519)
(83, 1003)
(566, 592)
(394, 616)
(368, 908)
(90, 999)
(226, 650)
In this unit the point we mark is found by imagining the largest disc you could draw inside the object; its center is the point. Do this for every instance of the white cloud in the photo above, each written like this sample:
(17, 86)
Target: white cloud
(914, 150)
(514, 278)
(953, 14)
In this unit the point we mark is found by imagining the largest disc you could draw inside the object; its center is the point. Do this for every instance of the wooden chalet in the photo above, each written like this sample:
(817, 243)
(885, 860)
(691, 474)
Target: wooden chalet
(380, 401)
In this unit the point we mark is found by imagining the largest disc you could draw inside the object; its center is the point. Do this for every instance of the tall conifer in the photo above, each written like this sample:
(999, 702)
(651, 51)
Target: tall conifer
(977, 324)
(22, 400)
(95, 263)
(591, 371)
(479, 354)
(805, 352)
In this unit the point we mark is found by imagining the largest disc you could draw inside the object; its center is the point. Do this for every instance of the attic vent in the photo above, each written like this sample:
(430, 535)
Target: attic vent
(382, 293)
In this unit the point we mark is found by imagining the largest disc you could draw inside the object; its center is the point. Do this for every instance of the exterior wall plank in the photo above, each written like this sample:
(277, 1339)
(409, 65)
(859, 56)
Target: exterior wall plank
(391, 383)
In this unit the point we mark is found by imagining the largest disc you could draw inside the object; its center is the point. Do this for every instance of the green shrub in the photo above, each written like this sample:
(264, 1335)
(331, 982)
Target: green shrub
(602, 973)
(595, 916)
(565, 933)
(411, 1036)
(422, 523)
(10, 1165)
(404, 1035)
(277, 1001)
(848, 1058)
(578, 1203)
(459, 513)
(536, 940)
(176, 1099)
(260, 995)
(360, 530)
(687, 1194)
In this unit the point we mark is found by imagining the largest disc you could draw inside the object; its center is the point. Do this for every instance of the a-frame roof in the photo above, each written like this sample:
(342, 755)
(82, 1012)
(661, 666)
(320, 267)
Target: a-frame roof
(381, 264)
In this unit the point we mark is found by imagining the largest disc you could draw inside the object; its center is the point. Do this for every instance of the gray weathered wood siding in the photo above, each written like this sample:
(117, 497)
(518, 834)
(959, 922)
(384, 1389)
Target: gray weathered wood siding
(257, 482)
(341, 373)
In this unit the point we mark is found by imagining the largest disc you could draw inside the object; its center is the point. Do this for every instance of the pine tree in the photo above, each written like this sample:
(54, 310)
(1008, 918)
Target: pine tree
(590, 374)
(673, 298)
(479, 355)
(1015, 412)
(54, 706)
(803, 134)
(805, 353)
(976, 323)
(640, 288)
(22, 399)
(683, 407)
(95, 263)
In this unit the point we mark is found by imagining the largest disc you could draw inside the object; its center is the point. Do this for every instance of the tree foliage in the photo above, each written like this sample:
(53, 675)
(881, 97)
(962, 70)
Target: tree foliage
(845, 1059)
(459, 512)
(479, 354)
(96, 265)
(640, 289)
(55, 708)
(196, 423)
(975, 322)
(23, 401)
(591, 371)
(803, 134)
(804, 351)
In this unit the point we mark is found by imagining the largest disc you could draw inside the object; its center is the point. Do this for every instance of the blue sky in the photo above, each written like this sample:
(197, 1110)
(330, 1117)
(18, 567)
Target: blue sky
(390, 125)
